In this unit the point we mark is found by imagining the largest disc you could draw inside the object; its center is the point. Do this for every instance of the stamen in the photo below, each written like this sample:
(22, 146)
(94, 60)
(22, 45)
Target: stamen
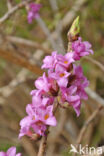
(46, 116)
(33, 118)
(66, 62)
(62, 74)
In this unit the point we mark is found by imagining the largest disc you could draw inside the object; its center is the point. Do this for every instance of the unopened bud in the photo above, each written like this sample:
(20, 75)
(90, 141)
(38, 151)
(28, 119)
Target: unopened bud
(73, 33)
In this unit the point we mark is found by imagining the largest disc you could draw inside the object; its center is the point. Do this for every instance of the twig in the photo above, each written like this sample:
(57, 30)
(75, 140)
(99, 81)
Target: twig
(95, 96)
(58, 26)
(72, 13)
(47, 32)
(16, 59)
(13, 10)
(42, 146)
(97, 63)
(21, 76)
(59, 38)
(43, 143)
(85, 126)
(26, 143)
(9, 4)
(29, 43)
(54, 5)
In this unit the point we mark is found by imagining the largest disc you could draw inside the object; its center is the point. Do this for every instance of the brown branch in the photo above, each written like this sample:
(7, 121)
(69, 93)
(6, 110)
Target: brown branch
(13, 10)
(16, 59)
(21, 76)
(95, 96)
(85, 126)
(9, 4)
(70, 15)
(42, 148)
(97, 63)
(29, 43)
(27, 145)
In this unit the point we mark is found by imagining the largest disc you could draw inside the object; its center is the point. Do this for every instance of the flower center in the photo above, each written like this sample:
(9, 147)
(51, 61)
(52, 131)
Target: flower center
(33, 118)
(62, 74)
(66, 62)
(46, 116)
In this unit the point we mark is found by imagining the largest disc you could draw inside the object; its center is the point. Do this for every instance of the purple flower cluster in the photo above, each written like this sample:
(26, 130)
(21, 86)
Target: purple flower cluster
(81, 48)
(64, 83)
(33, 11)
(10, 152)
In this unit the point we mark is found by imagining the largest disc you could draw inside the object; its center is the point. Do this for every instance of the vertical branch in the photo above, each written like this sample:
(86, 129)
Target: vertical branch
(59, 40)
(85, 126)
(42, 146)
(47, 32)
(9, 4)
(54, 5)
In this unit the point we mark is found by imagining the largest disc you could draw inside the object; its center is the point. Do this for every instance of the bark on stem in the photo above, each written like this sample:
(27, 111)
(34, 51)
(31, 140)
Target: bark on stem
(42, 148)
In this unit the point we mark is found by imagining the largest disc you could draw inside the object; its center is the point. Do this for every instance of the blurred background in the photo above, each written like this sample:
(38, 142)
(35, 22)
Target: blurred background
(22, 48)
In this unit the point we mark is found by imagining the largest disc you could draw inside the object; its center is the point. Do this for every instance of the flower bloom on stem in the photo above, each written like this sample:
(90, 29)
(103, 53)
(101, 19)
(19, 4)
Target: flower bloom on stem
(81, 49)
(10, 152)
(81, 82)
(63, 82)
(51, 62)
(40, 114)
(33, 11)
(69, 95)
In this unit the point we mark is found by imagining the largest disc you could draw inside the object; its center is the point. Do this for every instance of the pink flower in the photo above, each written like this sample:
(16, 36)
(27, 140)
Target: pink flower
(81, 82)
(31, 128)
(39, 128)
(42, 83)
(65, 60)
(69, 95)
(3, 154)
(37, 119)
(33, 12)
(10, 152)
(50, 61)
(60, 75)
(36, 92)
(38, 101)
(65, 80)
(26, 124)
(81, 49)
(45, 115)
(45, 85)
